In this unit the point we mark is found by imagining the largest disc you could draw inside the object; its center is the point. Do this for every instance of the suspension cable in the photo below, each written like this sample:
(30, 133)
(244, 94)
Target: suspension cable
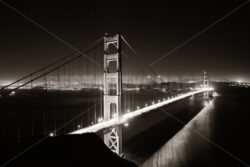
(58, 67)
(138, 58)
(52, 64)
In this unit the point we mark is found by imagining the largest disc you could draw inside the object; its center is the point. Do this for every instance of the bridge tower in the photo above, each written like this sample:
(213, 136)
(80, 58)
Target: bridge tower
(112, 90)
(205, 79)
(205, 84)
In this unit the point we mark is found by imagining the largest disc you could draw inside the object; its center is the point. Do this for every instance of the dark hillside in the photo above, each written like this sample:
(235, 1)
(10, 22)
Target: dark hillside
(72, 150)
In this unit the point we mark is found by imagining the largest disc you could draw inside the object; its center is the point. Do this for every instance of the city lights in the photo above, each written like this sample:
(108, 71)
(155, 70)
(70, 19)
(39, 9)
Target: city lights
(12, 93)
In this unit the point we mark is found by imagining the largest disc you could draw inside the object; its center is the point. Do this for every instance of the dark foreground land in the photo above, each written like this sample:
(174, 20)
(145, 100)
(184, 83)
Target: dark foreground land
(75, 150)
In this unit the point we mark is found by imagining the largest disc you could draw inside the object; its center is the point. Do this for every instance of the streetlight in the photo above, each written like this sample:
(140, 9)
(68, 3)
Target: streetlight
(100, 119)
(114, 115)
(126, 124)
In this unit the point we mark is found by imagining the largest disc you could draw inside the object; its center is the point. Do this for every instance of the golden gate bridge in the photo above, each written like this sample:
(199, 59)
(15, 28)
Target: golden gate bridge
(110, 84)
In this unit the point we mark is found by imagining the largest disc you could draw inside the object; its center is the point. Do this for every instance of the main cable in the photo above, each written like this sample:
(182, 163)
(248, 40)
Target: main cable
(45, 73)
(48, 66)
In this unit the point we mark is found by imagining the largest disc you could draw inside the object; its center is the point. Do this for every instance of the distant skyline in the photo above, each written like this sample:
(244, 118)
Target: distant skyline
(152, 28)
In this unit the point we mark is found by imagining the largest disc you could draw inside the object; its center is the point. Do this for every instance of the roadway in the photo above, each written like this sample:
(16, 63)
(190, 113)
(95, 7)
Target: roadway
(115, 121)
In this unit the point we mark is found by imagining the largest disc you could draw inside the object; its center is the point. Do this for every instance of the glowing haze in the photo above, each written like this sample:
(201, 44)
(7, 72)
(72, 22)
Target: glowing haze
(152, 28)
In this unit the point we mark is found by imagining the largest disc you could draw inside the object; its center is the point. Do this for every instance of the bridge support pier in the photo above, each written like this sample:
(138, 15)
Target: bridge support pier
(112, 91)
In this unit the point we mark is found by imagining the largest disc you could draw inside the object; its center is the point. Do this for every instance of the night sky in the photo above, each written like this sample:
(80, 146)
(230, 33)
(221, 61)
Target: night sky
(152, 27)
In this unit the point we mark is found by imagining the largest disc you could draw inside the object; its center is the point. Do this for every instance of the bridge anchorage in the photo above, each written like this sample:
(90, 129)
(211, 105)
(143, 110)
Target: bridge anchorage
(112, 91)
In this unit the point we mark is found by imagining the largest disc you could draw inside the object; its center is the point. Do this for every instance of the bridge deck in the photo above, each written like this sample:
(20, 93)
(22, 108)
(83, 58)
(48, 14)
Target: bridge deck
(115, 121)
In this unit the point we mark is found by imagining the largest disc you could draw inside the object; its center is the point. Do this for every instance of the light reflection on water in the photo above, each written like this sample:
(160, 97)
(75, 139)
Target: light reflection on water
(180, 149)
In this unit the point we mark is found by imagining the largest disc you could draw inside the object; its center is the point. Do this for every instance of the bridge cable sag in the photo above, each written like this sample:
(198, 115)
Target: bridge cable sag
(90, 48)
(202, 136)
(140, 61)
(50, 65)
